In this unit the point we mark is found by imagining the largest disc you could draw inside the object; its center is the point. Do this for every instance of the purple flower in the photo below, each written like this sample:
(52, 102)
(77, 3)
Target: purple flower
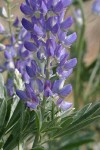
(30, 46)
(1, 28)
(29, 97)
(2, 69)
(96, 7)
(30, 71)
(60, 89)
(27, 24)
(66, 90)
(67, 23)
(70, 64)
(26, 9)
(70, 39)
(47, 89)
(16, 22)
(64, 73)
(50, 46)
(38, 30)
(16, 56)
(10, 87)
(63, 104)
(33, 70)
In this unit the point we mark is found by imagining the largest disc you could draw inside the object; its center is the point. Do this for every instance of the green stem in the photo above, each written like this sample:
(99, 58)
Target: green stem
(52, 113)
(91, 79)
(9, 17)
(37, 136)
(36, 140)
(20, 146)
(79, 47)
(22, 117)
(43, 107)
(48, 68)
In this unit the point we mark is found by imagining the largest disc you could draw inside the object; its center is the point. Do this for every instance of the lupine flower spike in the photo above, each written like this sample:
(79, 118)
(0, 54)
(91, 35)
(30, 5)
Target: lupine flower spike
(49, 44)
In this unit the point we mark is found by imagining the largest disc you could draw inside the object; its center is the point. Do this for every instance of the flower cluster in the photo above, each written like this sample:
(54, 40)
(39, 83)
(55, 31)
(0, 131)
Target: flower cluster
(15, 54)
(15, 50)
(50, 41)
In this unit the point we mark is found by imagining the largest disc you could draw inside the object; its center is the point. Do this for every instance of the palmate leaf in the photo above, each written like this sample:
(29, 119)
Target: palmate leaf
(71, 142)
(24, 126)
(89, 113)
(77, 127)
(80, 120)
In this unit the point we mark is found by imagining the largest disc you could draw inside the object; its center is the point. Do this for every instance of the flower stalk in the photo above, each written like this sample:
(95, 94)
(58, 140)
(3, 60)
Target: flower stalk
(9, 19)
(79, 47)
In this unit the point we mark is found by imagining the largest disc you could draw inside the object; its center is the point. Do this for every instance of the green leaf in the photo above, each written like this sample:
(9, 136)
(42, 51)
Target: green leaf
(51, 129)
(49, 124)
(11, 142)
(38, 119)
(81, 112)
(74, 128)
(22, 116)
(83, 120)
(91, 111)
(76, 143)
(1, 87)
(14, 117)
(1, 144)
(38, 148)
(3, 110)
(67, 122)
(19, 132)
